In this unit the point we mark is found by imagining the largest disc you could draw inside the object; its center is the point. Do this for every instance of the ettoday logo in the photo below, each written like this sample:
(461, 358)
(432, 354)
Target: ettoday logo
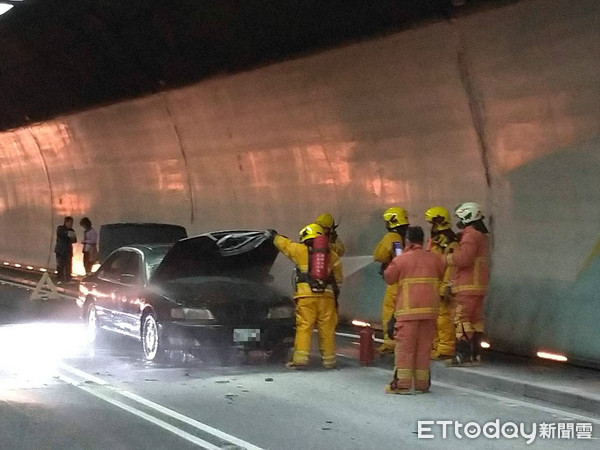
(431, 429)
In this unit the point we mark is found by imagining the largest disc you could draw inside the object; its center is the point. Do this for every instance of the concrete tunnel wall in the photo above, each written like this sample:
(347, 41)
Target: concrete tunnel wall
(501, 107)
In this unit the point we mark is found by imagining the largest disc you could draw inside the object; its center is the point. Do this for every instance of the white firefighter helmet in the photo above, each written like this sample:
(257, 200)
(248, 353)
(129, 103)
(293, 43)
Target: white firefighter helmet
(468, 212)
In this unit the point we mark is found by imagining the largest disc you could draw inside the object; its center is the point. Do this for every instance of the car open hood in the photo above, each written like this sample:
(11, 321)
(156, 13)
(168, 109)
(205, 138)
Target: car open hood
(238, 253)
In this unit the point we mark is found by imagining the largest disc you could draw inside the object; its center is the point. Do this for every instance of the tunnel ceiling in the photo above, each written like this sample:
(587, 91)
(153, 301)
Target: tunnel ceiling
(58, 56)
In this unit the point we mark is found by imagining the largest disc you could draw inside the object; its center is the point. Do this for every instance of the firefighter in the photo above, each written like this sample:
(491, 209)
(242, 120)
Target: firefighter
(396, 222)
(329, 226)
(469, 283)
(443, 241)
(418, 274)
(315, 297)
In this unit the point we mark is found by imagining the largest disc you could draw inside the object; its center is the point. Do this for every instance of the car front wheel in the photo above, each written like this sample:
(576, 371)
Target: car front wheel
(151, 341)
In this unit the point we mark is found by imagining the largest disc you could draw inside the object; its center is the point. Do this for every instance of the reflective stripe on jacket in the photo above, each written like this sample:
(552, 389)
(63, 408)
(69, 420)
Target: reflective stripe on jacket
(384, 252)
(418, 274)
(298, 253)
(471, 260)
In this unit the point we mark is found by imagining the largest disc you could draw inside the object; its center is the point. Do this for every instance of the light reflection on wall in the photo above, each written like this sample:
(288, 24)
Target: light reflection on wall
(52, 137)
(169, 175)
(72, 204)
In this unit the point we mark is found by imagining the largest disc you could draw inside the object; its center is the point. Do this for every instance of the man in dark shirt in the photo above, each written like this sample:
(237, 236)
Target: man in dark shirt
(65, 237)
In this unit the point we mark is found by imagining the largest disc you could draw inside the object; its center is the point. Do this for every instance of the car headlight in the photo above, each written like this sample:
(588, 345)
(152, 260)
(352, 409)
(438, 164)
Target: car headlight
(191, 314)
(281, 312)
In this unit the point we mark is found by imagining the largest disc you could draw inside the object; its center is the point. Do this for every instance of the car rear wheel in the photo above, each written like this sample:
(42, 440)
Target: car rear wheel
(151, 341)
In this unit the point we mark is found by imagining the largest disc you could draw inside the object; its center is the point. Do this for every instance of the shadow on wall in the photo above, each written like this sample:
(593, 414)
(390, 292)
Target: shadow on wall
(537, 300)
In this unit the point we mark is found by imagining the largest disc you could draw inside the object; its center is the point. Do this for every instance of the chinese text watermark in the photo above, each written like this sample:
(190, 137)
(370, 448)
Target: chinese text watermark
(431, 429)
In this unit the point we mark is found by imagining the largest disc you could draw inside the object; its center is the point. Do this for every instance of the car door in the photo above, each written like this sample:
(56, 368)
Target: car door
(107, 286)
(131, 285)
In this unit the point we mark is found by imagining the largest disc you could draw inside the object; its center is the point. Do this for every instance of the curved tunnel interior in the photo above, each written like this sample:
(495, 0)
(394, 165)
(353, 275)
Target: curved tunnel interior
(498, 106)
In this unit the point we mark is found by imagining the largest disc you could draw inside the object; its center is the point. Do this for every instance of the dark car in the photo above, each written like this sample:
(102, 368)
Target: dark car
(204, 293)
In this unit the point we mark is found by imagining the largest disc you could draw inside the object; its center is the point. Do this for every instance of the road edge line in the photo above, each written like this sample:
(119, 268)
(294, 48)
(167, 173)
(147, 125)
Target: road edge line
(164, 410)
(141, 414)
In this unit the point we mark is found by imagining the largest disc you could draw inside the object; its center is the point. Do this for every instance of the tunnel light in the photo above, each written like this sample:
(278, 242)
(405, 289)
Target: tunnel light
(552, 356)
(17, 265)
(30, 267)
(360, 323)
(4, 7)
(6, 263)
(43, 270)
(485, 344)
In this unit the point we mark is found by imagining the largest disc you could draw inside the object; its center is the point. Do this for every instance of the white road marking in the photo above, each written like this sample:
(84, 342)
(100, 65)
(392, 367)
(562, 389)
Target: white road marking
(506, 399)
(488, 395)
(517, 402)
(167, 426)
(83, 374)
(194, 423)
(163, 410)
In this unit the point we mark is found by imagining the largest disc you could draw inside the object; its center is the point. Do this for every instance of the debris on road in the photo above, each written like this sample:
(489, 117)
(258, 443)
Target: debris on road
(268, 380)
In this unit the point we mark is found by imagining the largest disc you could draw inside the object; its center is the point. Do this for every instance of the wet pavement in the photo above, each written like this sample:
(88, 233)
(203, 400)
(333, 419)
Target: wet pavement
(57, 392)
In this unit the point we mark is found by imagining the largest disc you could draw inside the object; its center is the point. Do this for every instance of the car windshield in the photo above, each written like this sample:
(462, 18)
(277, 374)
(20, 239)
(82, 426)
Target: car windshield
(154, 258)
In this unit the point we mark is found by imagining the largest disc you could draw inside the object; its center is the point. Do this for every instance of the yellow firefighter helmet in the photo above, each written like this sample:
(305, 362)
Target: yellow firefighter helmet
(395, 216)
(438, 215)
(311, 231)
(325, 220)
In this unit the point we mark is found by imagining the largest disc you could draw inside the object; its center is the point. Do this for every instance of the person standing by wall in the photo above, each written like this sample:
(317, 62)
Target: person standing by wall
(469, 283)
(90, 245)
(396, 222)
(315, 297)
(443, 241)
(417, 274)
(65, 238)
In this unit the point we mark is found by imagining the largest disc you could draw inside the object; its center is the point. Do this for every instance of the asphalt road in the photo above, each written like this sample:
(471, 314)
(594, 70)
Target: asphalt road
(56, 392)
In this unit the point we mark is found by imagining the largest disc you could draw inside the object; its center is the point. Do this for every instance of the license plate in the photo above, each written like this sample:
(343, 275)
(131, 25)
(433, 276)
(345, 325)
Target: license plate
(246, 335)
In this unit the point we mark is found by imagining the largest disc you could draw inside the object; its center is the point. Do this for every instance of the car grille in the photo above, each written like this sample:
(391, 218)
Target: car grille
(242, 313)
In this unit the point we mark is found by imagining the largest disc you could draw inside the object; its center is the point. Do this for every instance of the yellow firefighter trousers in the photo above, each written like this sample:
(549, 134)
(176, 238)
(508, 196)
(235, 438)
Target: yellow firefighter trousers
(321, 311)
(387, 311)
(445, 339)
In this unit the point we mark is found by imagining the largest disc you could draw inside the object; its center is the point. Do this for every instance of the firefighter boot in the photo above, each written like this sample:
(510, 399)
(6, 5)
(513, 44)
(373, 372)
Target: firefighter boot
(464, 354)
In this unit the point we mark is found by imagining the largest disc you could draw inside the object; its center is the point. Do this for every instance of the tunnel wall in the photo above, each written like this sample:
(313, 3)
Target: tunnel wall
(501, 107)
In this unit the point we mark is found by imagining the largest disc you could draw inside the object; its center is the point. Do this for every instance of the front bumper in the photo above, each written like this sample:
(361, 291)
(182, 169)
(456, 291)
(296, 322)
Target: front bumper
(185, 335)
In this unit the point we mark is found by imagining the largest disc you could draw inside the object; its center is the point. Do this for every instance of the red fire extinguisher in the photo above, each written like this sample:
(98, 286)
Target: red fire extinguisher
(367, 354)
(319, 258)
